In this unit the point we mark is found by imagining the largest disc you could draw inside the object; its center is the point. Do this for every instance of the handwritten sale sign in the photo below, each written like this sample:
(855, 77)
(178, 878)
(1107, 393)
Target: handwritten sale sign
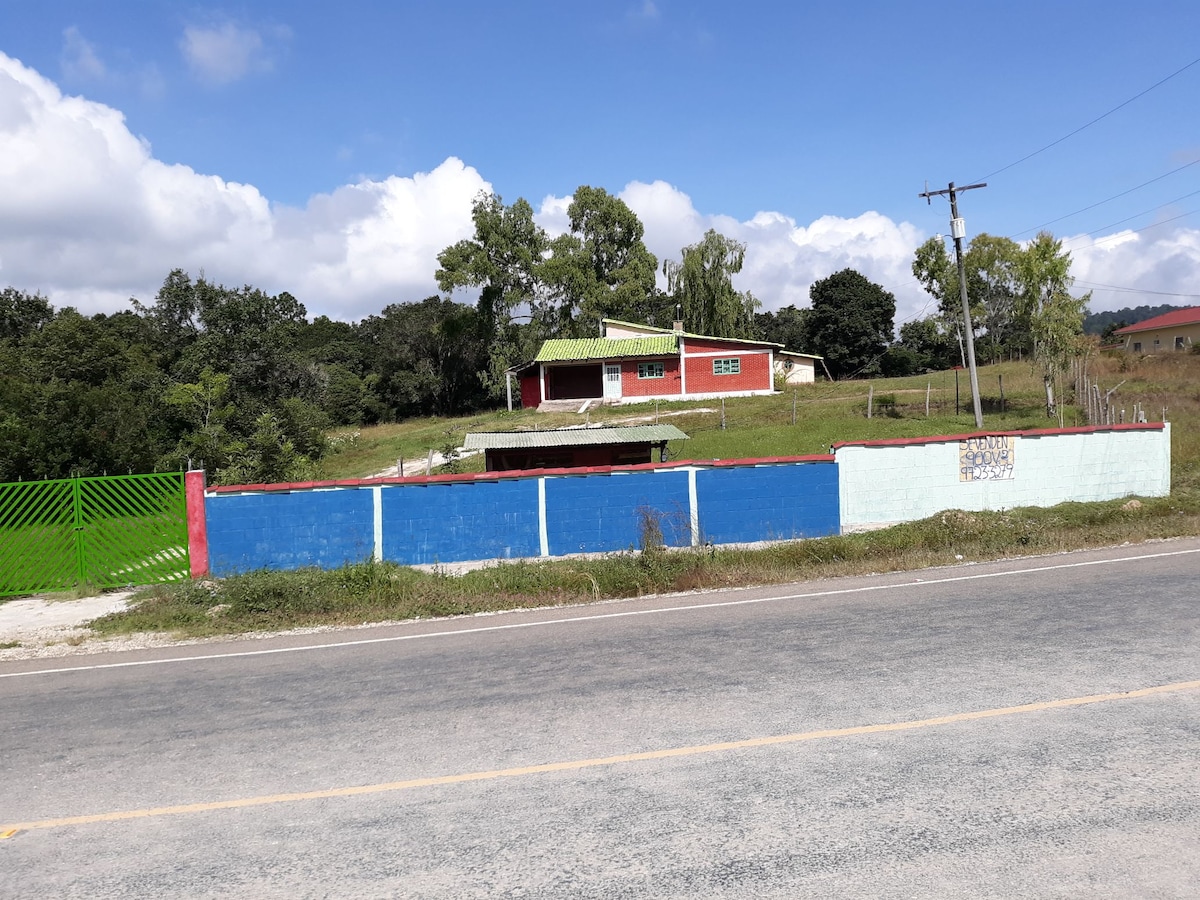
(989, 458)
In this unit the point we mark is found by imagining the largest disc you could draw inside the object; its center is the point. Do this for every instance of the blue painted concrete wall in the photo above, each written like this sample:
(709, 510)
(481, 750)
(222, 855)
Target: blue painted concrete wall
(768, 503)
(601, 513)
(456, 521)
(288, 530)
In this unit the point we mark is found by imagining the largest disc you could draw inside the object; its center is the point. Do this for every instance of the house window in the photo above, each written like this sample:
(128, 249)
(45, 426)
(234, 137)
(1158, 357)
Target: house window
(1137, 346)
(1179, 343)
(650, 370)
(1156, 343)
(727, 367)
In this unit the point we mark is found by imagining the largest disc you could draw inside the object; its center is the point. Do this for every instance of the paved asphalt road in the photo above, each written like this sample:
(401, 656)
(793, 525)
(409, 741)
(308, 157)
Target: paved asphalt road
(422, 738)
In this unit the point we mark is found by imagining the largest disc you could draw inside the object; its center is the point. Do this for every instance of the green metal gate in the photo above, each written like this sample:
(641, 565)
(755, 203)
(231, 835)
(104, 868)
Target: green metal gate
(105, 531)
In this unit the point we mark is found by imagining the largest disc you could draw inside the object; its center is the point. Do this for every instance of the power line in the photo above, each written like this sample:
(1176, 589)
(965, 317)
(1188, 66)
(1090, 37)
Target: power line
(1122, 234)
(1102, 202)
(1092, 122)
(1132, 290)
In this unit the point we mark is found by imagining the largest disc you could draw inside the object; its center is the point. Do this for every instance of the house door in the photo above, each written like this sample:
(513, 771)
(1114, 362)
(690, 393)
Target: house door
(612, 381)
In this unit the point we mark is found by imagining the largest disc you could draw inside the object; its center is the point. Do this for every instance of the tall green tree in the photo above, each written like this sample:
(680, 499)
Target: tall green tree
(603, 264)
(851, 322)
(429, 357)
(21, 314)
(175, 314)
(788, 326)
(206, 409)
(990, 266)
(80, 395)
(504, 260)
(253, 344)
(938, 274)
(927, 339)
(702, 284)
(1055, 317)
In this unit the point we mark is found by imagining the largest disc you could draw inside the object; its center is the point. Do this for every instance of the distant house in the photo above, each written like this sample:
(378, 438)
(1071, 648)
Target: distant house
(632, 363)
(568, 448)
(1176, 330)
(796, 368)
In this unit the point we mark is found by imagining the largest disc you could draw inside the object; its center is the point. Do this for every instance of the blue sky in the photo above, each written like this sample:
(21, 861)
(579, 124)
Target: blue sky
(332, 149)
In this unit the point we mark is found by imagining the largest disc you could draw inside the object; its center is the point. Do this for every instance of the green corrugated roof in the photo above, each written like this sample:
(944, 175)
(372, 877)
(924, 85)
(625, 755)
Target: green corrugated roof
(565, 349)
(571, 437)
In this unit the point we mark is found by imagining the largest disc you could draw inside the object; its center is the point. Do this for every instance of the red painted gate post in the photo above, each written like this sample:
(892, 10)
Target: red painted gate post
(196, 524)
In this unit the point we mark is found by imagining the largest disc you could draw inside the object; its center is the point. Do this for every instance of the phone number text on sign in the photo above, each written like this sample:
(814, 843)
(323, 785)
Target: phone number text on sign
(988, 458)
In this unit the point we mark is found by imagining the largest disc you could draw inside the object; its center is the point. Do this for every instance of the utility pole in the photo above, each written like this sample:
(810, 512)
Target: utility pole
(959, 230)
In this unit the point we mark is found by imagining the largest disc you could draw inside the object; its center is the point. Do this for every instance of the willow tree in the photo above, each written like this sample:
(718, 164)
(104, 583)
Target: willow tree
(702, 284)
(1055, 317)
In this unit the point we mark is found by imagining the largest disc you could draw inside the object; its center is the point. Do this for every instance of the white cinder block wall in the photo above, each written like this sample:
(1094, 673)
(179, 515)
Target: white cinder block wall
(884, 482)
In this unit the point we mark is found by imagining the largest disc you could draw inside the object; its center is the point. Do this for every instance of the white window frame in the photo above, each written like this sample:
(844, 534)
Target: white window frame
(651, 370)
(730, 365)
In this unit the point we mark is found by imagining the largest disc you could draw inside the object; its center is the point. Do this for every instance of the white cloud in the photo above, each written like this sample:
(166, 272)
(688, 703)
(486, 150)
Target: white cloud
(80, 61)
(552, 215)
(1155, 260)
(89, 217)
(222, 54)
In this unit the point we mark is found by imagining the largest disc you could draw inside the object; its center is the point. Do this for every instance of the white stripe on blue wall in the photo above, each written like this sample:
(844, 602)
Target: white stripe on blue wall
(377, 510)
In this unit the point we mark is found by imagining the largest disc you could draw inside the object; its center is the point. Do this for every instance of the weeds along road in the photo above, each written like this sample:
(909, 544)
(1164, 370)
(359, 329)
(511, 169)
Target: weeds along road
(1013, 729)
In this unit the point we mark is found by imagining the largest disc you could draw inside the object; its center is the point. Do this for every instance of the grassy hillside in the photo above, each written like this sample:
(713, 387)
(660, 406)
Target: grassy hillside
(825, 413)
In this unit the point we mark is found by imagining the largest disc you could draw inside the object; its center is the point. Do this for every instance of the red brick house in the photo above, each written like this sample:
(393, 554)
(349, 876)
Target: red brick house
(631, 363)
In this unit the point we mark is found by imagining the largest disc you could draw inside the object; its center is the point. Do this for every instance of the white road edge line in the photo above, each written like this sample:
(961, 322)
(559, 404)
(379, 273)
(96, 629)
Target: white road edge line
(569, 620)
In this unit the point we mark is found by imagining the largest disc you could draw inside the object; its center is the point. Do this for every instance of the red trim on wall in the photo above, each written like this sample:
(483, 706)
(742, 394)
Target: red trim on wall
(1037, 432)
(523, 473)
(197, 525)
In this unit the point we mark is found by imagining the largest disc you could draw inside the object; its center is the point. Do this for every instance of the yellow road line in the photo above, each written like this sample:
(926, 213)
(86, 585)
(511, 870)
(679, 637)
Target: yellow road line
(575, 765)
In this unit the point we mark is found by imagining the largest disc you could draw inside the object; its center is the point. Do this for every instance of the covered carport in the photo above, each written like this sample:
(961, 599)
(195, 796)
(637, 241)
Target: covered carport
(569, 448)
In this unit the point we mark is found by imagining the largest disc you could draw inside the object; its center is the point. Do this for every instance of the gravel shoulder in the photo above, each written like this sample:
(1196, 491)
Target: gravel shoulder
(36, 626)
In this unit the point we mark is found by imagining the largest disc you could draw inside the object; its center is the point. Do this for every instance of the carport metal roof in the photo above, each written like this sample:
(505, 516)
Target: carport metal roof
(572, 437)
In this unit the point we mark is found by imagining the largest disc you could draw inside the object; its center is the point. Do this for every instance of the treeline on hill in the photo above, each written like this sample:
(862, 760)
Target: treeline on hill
(242, 382)
(236, 379)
